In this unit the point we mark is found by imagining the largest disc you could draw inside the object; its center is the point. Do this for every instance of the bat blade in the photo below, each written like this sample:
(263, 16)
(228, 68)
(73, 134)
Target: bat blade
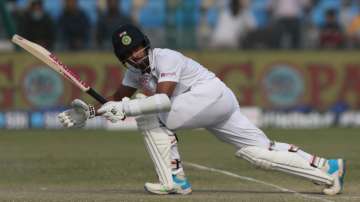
(52, 61)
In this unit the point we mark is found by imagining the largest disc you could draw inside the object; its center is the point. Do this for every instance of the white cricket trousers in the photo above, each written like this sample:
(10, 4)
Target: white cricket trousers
(212, 105)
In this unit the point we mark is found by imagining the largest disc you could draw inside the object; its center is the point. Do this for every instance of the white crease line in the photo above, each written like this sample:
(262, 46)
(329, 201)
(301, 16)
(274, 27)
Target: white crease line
(253, 180)
(349, 198)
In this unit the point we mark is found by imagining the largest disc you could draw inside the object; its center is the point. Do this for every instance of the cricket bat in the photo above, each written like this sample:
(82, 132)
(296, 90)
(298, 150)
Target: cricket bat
(52, 61)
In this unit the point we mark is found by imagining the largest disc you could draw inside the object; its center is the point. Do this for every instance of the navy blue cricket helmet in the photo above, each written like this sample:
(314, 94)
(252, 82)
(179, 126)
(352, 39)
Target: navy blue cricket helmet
(126, 39)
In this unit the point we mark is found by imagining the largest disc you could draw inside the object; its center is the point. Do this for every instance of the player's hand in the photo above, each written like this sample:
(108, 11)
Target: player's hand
(113, 111)
(77, 116)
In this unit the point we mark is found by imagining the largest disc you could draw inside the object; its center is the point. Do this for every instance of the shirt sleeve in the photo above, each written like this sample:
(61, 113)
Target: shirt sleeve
(131, 79)
(170, 67)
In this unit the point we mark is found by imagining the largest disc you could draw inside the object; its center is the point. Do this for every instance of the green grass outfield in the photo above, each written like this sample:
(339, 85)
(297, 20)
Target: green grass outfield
(84, 165)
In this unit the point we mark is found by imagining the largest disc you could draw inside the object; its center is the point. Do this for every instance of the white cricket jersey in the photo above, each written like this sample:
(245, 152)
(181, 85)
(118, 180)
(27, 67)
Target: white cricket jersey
(168, 65)
(200, 100)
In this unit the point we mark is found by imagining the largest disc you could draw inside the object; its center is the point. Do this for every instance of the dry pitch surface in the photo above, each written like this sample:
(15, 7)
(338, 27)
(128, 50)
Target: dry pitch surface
(81, 165)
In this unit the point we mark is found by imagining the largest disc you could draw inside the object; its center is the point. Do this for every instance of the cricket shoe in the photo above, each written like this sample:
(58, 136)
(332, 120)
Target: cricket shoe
(181, 186)
(336, 168)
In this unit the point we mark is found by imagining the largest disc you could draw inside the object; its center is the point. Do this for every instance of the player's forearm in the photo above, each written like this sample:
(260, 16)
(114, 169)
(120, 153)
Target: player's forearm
(116, 111)
(123, 91)
(166, 87)
(153, 104)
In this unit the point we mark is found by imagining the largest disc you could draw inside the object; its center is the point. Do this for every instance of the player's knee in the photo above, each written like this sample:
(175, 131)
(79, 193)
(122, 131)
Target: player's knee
(255, 155)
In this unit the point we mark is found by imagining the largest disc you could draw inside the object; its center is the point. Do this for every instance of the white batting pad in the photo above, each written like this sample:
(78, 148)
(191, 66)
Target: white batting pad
(284, 161)
(158, 145)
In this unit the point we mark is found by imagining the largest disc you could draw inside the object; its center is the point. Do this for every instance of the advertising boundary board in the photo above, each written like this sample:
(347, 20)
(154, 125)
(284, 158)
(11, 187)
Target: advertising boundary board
(287, 81)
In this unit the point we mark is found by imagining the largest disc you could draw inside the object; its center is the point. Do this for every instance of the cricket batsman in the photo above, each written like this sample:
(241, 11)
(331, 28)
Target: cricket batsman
(186, 95)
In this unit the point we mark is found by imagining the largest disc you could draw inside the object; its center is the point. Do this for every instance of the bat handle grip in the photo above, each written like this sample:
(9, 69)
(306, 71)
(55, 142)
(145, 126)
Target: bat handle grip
(96, 95)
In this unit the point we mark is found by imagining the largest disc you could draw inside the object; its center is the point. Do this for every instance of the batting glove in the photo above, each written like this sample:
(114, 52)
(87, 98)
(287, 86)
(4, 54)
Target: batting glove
(113, 111)
(77, 116)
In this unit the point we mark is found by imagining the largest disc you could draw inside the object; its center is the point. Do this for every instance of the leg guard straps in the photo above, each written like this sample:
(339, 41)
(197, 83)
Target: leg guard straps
(288, 162)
